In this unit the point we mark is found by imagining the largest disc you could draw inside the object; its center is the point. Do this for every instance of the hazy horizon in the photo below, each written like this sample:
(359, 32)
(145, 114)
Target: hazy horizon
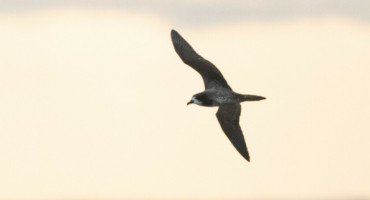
(93, 102)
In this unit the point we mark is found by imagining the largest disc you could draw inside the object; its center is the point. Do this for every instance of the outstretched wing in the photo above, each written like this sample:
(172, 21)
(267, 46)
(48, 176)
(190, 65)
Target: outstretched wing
(212, 77)
(228, 117)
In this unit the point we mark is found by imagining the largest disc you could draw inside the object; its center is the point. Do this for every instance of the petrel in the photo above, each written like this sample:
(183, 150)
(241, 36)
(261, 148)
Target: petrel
(217, 93)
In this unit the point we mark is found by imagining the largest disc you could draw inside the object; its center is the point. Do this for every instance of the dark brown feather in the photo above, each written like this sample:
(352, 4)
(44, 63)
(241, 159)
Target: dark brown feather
(212, 77)
(228, 116)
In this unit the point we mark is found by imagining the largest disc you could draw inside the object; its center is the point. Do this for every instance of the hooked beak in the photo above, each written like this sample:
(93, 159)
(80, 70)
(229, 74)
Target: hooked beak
(190, 102)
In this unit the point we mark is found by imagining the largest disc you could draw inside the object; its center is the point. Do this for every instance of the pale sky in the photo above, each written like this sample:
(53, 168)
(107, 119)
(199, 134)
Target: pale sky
(93, 105)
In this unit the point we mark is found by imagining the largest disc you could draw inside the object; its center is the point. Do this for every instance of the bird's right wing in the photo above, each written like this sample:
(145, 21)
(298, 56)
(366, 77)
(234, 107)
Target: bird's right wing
(228, 117)
(212, 77)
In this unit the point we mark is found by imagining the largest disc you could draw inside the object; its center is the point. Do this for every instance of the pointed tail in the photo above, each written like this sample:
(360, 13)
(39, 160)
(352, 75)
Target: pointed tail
(248, 97)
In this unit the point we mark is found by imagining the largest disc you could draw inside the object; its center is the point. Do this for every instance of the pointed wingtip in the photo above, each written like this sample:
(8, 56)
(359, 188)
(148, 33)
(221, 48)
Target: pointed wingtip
(174, 35)
(174, 32)
(247, 158)
(245, 154)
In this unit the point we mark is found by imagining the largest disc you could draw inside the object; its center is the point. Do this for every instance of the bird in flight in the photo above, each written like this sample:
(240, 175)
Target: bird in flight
(217, 93)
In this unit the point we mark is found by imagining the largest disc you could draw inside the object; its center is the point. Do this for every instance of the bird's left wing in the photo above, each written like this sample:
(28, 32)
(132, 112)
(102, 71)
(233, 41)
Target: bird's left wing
(212, 77)
(228, 117)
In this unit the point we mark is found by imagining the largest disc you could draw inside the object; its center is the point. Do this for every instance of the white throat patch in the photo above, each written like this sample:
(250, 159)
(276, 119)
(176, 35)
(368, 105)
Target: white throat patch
(196, 101)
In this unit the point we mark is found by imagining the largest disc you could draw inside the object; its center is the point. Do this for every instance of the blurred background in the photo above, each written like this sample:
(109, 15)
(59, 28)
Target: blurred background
(93, 99)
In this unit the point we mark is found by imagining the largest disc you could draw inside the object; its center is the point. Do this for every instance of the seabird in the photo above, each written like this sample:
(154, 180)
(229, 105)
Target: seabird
(217, 93)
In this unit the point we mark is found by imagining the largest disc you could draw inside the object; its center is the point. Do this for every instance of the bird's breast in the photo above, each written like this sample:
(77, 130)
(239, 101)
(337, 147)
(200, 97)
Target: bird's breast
(215, 97)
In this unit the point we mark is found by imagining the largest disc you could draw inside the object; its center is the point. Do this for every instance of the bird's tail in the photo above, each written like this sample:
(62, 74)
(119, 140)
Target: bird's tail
(247, 97)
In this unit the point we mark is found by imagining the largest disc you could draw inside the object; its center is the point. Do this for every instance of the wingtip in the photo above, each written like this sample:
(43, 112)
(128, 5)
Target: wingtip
(176, 37)
(248, 158)
(174, 32)
(246, 155)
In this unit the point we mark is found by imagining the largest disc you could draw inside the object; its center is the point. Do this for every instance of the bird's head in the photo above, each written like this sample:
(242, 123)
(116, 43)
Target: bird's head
(195, 100)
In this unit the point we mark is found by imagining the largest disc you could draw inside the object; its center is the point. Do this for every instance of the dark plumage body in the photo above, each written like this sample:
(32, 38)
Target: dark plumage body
(216, 97)
(217, 93)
